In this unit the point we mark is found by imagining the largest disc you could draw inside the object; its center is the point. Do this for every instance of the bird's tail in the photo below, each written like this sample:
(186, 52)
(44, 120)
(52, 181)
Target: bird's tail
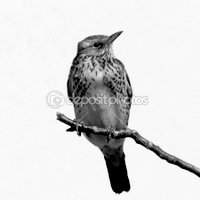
(117, 172)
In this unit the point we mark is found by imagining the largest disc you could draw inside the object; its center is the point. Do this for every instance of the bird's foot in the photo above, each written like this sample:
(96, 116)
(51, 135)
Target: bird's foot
(75, 127)
(78, 130)
(111, 132)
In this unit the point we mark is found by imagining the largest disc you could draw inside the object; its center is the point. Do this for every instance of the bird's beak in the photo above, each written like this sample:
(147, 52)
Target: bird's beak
(113, 37)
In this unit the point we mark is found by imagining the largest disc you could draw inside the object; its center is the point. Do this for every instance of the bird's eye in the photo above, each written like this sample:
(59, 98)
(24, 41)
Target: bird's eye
(97, 45)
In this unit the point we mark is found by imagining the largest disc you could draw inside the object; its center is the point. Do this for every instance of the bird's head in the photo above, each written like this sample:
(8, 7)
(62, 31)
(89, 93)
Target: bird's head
(97, 44)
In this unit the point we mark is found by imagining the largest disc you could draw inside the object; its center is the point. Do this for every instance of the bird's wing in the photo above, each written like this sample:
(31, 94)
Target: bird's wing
(128, 87)
(119, 82)
(77, 83)
(70, 83)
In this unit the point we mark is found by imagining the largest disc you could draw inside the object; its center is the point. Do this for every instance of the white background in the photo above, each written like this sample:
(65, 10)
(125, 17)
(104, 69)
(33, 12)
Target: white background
(160, 48)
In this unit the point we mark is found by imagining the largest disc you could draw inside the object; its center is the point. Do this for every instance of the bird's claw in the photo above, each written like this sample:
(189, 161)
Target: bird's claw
(111, 132)
(77, 122)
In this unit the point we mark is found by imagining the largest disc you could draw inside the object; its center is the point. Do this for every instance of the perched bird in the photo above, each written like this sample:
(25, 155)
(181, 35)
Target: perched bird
(100, 89)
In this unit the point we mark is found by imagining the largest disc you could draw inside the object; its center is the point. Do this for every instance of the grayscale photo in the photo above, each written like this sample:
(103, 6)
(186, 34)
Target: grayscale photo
(100, 100)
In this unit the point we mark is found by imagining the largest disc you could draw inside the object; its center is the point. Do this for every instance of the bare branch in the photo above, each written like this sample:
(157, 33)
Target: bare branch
(132, 134)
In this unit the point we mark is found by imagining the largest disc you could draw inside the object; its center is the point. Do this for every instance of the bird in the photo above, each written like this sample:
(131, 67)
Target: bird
(100, 89)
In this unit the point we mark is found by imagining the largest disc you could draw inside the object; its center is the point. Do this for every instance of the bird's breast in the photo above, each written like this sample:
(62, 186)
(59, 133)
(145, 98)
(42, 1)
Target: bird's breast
(100, 107)
(95, 77)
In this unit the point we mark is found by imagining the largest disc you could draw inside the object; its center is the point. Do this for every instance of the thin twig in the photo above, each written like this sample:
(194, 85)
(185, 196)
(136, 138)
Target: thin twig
(132, 134)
